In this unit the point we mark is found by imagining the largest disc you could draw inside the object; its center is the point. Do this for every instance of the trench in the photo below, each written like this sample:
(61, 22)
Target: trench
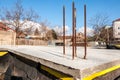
(14, 67)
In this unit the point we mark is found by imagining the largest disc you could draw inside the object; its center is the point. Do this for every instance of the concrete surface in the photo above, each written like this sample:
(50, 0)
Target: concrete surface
(110, 76)
(52, 56)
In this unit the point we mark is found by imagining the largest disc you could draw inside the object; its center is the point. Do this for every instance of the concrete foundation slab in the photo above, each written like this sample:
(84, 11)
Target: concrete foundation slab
(52, 56)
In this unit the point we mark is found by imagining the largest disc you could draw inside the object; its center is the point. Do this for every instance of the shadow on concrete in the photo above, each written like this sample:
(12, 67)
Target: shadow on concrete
(15, 67)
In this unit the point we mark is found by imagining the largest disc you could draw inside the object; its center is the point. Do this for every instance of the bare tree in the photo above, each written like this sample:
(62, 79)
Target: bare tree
(44, 30)
(17, 16)
(36, 32)
(51, 35)
(28, 31)
(110, 33)
(31, 15)
(98, 23)
(58, 30)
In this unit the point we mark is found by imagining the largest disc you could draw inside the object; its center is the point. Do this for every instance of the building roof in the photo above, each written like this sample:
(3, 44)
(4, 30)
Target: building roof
(4, 27)
(117, 20)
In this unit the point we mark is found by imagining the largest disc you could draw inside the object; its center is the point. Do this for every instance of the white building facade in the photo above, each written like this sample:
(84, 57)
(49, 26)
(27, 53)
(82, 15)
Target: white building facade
(116, 29)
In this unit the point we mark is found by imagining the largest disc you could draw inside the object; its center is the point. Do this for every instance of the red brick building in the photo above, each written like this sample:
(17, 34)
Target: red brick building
(7, 35)
(3, 27)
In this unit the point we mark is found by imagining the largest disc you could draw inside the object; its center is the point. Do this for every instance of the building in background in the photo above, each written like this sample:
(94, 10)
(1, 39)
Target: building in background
(68, 40)
(3, 27)
(7, 35)
(116, 29)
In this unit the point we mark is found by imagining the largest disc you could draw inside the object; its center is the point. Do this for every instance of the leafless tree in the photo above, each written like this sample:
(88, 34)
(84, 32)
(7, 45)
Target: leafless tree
(17, 16)
(49, 35)
(36, 32)
(59, 30)
(28, 30)
(31, 15)
(98, 23)
(44, 29)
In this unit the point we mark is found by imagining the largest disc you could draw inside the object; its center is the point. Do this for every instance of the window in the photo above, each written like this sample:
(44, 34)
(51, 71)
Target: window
(118, 27)
(118, 33)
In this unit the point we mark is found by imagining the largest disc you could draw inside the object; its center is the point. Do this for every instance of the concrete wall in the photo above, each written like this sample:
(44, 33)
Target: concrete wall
(7, 38)
(30, 42)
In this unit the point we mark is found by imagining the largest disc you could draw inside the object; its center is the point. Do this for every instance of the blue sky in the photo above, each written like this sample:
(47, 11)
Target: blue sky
(51, 10)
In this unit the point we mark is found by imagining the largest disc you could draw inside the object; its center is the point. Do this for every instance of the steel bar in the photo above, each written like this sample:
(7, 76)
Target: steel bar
(63, 30)
(85, 40)
(75, 32)
(73, 49)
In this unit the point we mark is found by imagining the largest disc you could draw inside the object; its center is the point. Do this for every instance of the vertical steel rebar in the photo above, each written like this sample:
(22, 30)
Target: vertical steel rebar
(75, 32)
(63, 30)
(85, 40)
(73, 49)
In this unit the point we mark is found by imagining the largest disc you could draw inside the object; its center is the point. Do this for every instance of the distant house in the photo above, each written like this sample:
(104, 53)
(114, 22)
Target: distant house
(79, 37)
(21, 35)
(3, 27)
(68, 39)
(7, 35)
(36, 35)
(116, 29)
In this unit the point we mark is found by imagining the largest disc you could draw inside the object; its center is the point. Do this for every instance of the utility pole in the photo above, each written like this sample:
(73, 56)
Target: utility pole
(85, 40)
(63, 30)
